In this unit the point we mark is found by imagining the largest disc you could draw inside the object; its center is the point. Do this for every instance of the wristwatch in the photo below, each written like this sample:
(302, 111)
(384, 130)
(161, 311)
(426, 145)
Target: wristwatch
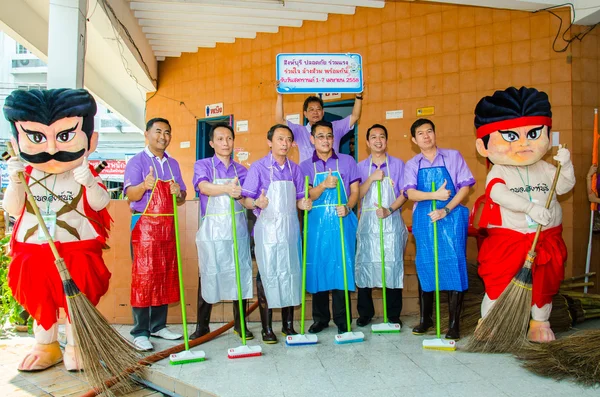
(391, 210)
(447, 210)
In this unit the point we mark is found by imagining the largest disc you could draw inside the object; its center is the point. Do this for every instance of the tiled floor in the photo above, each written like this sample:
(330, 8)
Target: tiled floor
(383, 365)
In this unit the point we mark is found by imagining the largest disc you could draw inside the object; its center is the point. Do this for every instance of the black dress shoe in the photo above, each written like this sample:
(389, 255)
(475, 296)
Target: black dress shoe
(395, 321)
(317, 327)
(363, 321)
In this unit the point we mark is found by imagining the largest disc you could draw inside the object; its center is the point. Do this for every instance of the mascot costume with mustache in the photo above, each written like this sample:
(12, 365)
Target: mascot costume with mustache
(513, 132)
(54, 133)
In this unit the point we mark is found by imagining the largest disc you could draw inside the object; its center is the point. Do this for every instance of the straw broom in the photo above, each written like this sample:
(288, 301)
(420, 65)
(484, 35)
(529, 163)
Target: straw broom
(576, 356)
(504, 328)
(104, 352)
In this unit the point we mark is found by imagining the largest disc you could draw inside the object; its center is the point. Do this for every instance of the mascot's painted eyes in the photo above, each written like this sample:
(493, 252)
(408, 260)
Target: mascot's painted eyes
(36, 137)
(509, 136)
(534, 133)
(65, 136)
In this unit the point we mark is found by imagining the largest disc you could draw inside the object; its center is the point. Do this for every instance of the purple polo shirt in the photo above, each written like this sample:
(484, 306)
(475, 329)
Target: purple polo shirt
(453, 161)
(138, 168)
(267, 170)
(395, 171)
(204, 171)
(302, 136)
(341, 162)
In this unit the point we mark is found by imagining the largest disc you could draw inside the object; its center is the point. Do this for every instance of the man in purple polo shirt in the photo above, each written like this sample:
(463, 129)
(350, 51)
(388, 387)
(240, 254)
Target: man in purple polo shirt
(380, 168)
(151, 178)
(324, 262)
(439, 175)
(218, 179)
(274, 188)
(313, 111)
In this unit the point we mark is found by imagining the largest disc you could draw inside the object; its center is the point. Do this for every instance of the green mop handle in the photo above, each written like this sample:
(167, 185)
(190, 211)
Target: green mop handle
(180, 272)
(304, 238)
(347, 299)
(382, 250)
(437, 277)
(237, 272)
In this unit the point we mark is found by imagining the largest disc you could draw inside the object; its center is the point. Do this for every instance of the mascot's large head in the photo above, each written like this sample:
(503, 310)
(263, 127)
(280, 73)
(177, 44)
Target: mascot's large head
(513, 126)
(53, 129)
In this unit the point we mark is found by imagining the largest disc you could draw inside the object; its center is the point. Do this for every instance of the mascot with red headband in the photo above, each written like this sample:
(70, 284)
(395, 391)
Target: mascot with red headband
(54, 133)
(513, 132)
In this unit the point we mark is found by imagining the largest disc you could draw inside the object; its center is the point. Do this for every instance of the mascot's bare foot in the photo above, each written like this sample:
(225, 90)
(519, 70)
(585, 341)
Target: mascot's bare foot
(540, 331)
(72, 358)
(41, 357)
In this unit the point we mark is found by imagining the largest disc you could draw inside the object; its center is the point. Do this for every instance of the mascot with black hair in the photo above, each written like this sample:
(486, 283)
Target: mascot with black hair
(54, 133)
(513, 128)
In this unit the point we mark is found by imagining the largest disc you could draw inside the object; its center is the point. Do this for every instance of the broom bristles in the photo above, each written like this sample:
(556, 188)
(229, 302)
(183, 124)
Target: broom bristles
(104, 353)
(576, 356)
(504, 328)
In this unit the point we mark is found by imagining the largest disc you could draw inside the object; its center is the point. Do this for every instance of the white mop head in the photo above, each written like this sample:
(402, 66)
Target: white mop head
(439, 344)
(298, 340)
(385, 328)
(187, 356)
(244, 351)
(349, 337)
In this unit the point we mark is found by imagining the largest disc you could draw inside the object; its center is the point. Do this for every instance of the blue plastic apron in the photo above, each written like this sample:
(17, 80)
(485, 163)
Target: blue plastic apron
(324, 252)
(452, 236)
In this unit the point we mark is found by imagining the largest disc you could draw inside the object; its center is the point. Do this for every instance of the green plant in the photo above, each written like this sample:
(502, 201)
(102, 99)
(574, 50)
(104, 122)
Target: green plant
(10, 309)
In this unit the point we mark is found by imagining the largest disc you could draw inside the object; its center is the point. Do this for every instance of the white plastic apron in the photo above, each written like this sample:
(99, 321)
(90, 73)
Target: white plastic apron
(214, 240)
(395, 235)
(277, 245)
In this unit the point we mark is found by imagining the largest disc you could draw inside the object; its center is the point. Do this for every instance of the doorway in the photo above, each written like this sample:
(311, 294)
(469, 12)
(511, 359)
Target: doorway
(337, 111)
(203, 149)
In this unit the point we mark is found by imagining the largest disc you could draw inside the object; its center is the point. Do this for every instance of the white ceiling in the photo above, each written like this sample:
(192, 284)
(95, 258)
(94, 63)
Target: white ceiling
(176, 26)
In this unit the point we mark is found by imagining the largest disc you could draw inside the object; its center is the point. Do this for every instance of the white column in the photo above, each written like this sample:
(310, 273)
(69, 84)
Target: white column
(66, 43)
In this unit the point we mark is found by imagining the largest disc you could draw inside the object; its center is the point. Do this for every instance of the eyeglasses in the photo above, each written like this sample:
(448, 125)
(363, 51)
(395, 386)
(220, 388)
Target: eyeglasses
(328, 137)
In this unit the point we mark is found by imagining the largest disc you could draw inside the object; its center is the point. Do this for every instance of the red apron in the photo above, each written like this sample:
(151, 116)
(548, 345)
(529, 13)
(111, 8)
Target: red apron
(154, 280)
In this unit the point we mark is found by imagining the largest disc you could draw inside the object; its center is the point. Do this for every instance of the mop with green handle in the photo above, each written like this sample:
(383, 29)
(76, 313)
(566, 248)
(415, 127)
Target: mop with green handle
(384, 327)
(186, 356)
(438, 343)
(301, 338)
(242, 351)
(348, 336)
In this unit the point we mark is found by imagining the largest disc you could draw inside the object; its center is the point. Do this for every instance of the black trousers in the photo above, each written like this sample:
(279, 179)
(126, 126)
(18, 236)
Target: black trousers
(320, 307)
(147, 320)
(393, 298)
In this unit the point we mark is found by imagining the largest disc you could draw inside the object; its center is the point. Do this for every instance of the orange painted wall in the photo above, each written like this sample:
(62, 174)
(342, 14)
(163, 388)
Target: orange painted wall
(414, 55)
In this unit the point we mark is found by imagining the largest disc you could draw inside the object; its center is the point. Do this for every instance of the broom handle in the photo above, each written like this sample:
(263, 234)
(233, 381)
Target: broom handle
(180, 272)
(347, 300)
(304, 238)
(548, 201)
(237, 272)
(437, 277)
(36, 210)
(382, 252)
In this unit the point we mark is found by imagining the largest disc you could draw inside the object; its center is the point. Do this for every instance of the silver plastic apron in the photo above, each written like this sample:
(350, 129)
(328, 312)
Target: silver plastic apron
(277, 245)
(395, 235)
(214, 240)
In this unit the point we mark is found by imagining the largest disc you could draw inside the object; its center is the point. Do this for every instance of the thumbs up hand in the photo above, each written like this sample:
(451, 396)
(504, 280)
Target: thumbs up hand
(262, 201)
(234, 188)
(83, 175)
(331, 181)
(381, 212)
(442, 193)
(150, 181)
(377, 175)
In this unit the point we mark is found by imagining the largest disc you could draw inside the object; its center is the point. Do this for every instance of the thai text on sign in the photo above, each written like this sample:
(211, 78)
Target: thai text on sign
(114, 167)
(309, 73)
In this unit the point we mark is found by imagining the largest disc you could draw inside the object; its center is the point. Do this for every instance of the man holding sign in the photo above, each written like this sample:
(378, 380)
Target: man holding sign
(313, 111)
(151, 178)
